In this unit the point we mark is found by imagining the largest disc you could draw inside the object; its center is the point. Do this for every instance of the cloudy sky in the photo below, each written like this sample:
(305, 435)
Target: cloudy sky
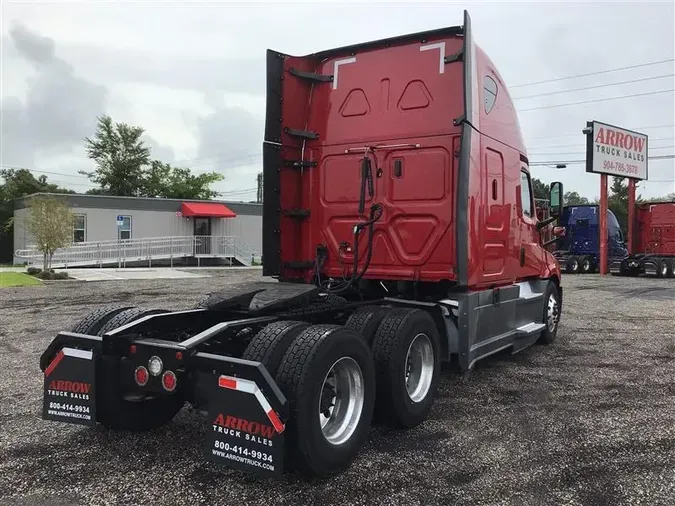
(192, 74)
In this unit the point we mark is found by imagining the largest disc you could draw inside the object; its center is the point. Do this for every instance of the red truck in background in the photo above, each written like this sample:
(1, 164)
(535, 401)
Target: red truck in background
(653, 247)
(400, 223)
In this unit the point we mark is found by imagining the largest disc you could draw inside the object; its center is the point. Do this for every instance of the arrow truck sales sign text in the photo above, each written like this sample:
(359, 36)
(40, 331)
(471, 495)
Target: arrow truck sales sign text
(616, 151)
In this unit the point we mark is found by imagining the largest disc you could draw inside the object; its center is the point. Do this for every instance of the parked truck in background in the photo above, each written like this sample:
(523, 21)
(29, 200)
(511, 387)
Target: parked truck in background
(578, 251)
(400, 224)
(653, 242)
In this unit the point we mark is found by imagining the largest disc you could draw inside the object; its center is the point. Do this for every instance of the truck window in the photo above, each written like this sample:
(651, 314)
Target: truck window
(490, 92)
(526, 193)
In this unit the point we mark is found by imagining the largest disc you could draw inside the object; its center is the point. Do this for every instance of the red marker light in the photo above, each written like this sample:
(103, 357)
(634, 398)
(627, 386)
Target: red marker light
(179, 355)
(132, 349)
(169, 381)
(141, 376)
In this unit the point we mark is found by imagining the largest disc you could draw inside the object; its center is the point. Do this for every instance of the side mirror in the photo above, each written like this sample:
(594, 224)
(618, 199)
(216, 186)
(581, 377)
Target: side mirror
(558, 231)
(555, 199)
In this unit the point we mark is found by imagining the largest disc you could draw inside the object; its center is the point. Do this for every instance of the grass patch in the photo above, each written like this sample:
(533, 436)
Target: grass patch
(8, 279)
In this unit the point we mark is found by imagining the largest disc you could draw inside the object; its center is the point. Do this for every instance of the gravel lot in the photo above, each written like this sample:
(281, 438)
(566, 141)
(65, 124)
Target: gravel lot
(590, 420)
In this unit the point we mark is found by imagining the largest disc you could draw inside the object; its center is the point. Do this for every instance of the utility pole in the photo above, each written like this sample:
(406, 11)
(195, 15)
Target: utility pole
(259, 197)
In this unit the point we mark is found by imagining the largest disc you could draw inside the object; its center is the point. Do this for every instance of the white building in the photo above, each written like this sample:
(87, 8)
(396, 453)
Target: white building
(109, 230)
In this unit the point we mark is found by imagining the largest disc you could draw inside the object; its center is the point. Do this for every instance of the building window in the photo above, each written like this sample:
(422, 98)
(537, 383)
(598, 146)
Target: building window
(490, 92)
(526, 193)
(79, 228)
(125, 229)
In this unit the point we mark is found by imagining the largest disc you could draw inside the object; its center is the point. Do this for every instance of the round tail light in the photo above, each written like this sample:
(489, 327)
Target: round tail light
(169, 381)
(155, 366)
(141, 376)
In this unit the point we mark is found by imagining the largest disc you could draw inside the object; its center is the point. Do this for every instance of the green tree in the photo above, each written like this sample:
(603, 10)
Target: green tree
(540, 189)
(50, 221)
(124, 167)
(120, 156)
(163, 180)
(17, 183)
(574, 199)
(617, 202)
(670, 197)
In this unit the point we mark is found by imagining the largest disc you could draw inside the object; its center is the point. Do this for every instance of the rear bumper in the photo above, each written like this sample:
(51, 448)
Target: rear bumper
(246, 410)
(627, 266)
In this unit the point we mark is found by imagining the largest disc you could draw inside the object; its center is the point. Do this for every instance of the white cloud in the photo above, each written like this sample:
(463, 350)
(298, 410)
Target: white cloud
(192, 74)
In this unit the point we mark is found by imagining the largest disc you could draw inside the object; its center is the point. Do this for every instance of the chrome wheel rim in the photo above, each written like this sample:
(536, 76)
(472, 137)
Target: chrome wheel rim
(552, 313)
(419, 367)
(341, 401)
(587, 265)
(575, 265)
(664, 269)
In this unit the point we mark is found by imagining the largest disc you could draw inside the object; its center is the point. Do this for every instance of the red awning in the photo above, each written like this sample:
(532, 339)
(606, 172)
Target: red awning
(206, 209)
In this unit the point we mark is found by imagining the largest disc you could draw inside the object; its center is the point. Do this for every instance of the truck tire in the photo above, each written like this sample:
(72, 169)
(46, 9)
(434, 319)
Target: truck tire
(407, 356)
(270, 344)
(572, 265)
(127, 316)
(551, 314)
(366, 320)
(663, 269)
(93, 322)
(325, 364)
(114, 411)
(586, 264)
(672, 268)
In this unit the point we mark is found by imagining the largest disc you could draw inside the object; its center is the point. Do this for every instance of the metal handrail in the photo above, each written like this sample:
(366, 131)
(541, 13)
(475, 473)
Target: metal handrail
(140, 249)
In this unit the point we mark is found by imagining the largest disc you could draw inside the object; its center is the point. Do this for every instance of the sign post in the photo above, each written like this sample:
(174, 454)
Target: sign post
(120, 223)
(615, 151)
(631, 215)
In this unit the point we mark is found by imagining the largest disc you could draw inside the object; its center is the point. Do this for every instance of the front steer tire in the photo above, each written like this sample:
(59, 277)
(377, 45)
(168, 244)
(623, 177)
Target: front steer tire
(113, 411)
(393, 340)
(552, 302)
(302, 378)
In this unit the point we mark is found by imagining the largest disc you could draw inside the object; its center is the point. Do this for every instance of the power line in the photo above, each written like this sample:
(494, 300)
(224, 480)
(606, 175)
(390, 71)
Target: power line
(597, 100)
(632, 128)
(43, 171)
(584, 153)
(570, 162)
(581, 141)
(593, 87)
(593, 73)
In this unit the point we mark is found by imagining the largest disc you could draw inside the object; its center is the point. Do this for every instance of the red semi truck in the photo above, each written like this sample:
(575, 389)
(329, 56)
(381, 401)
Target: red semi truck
(653, 242)
(400, 224)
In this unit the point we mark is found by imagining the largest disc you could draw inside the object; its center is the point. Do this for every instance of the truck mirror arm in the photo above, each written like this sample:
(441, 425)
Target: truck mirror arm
(547, 221)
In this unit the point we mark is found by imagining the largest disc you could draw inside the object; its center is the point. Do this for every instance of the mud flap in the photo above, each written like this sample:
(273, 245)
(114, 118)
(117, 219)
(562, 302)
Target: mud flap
(69, 388)
(245, 433)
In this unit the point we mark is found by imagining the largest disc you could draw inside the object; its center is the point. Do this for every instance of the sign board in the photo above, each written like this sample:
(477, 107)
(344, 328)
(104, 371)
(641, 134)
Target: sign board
(120, 221)
(615, 151)
(240, 434)
(69, 388)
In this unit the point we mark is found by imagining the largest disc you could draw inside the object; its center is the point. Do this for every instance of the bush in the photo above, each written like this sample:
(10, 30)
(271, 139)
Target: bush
(51, 275)
(33, 271)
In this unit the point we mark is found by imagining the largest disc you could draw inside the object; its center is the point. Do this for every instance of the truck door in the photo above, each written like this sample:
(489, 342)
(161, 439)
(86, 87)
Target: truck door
(530, 251)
